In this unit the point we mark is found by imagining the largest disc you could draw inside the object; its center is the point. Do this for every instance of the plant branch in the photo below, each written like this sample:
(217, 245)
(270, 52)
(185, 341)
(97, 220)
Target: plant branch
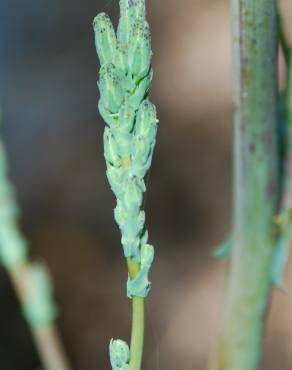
(256, 188)
(30, 280)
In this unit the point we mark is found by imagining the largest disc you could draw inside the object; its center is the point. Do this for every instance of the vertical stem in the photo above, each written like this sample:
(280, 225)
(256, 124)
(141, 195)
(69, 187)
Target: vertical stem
(286, 200)
(256, 188)
(137, 337)
(138, 323)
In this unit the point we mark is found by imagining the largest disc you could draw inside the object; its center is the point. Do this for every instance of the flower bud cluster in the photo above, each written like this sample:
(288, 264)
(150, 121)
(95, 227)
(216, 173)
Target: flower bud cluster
(131, 125)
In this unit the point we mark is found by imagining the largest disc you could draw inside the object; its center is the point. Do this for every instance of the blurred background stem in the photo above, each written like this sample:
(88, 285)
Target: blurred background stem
(256, 185)
(45, 336)
(31, 280)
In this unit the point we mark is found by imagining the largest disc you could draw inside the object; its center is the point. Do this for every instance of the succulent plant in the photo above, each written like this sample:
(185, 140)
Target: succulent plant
(129, 138)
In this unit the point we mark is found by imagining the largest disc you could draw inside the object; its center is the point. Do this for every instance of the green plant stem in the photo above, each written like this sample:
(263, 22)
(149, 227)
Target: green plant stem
(137, 337)
(283, 40)
(286, 202)
(287, 165)
(256, 188)
(46, 337)
(138, 323)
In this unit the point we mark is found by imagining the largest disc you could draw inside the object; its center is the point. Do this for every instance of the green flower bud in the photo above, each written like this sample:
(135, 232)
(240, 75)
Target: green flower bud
(115, 178)
(111, 148)
(105, 38)
(140, 286)
(133, 194)
(133, 9)
(141, 150)
(109, 118)
(124, 141)
(131, 245)
(144, 139)
(119, 355)
(120, 213)
(127, 115)
(132, 228)
(121, 57)
(129, 139)
(147, 256)
(146, 119)
(140, 50)
(130, 11)
(110, 87)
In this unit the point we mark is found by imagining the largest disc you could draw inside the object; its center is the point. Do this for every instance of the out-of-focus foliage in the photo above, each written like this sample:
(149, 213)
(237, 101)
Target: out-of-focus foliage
(53, 135)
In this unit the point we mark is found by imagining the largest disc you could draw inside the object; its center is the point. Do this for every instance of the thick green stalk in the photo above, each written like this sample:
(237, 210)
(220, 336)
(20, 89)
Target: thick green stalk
(284, 217)
(256, 188)
(137, 337)
(138, 323)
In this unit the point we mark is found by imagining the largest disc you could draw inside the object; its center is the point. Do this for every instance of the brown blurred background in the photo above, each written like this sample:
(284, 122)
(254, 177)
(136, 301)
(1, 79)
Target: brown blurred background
(53, 136)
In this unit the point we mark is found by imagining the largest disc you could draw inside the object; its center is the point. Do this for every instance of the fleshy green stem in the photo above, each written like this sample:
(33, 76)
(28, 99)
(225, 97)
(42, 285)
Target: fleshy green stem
(138, 323)
(256, 188)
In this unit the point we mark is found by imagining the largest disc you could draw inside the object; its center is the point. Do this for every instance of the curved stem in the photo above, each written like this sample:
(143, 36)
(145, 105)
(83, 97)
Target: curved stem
(138, 323)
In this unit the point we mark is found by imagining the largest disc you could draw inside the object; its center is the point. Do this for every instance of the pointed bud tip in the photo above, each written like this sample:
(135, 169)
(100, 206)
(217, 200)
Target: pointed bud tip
(101, 17)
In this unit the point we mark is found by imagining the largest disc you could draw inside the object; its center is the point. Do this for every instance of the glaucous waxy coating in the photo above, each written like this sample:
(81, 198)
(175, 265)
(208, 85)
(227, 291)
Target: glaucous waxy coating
(130, 11)
(111, 88)
(119, 355)
(140, 49)
(129, 138)
(141, 285)
(105, 38)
